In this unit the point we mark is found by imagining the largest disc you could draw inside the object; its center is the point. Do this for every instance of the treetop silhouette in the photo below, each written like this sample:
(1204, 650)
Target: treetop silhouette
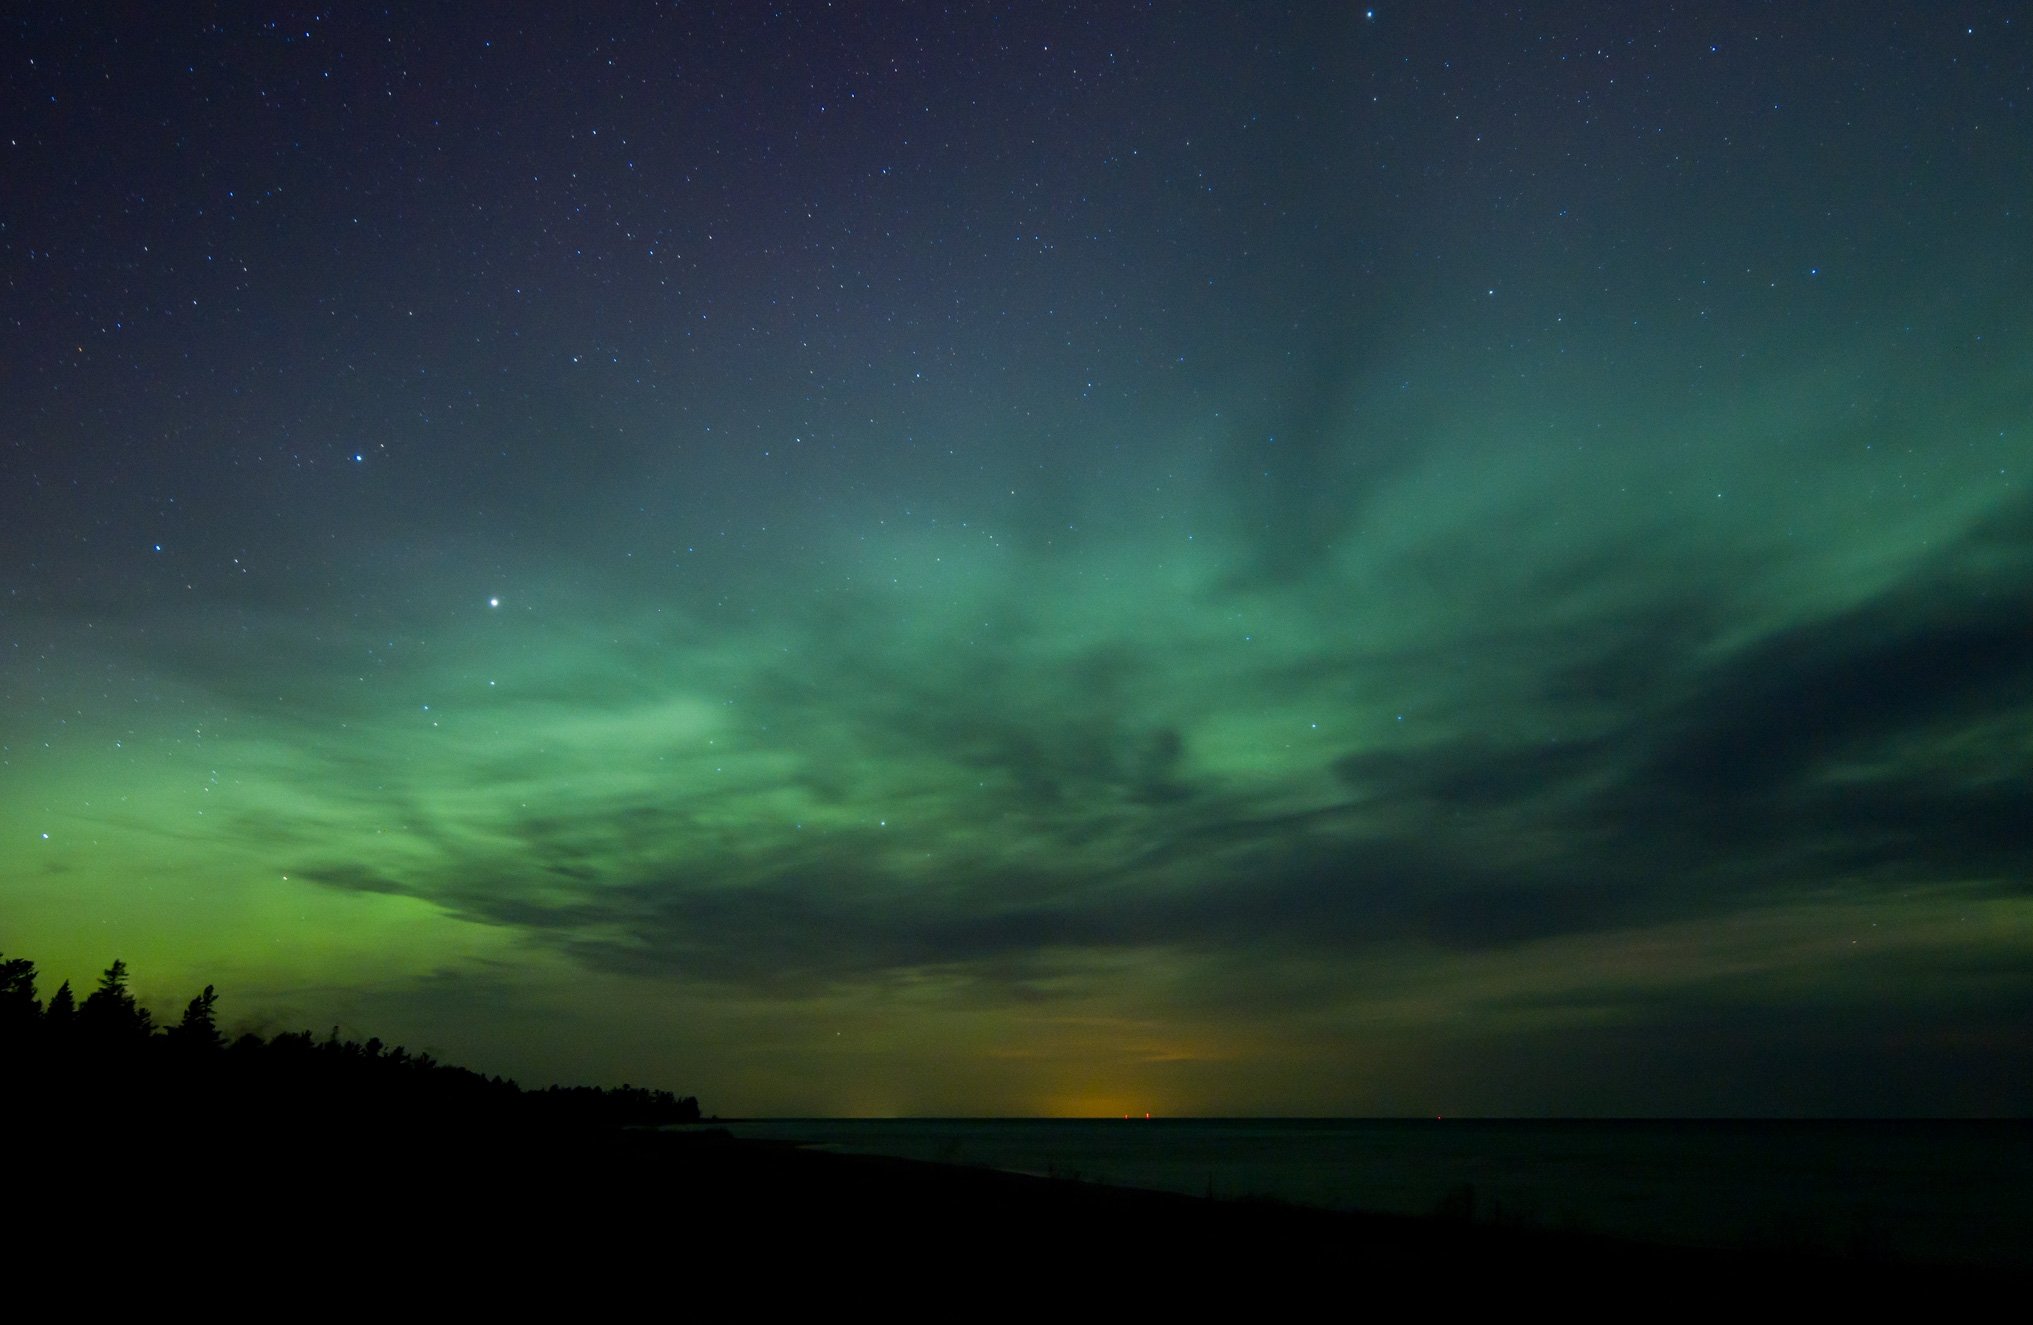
(104, 1059)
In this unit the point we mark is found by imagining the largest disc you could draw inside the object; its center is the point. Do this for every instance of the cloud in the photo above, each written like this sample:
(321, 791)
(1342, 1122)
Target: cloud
(871, 809)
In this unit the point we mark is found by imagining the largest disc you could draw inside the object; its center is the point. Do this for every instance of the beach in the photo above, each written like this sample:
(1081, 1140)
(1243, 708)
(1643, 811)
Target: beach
(555, 1217)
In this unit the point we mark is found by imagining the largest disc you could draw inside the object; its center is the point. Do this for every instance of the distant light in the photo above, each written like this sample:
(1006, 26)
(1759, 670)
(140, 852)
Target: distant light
(494, 602)
(357, 458)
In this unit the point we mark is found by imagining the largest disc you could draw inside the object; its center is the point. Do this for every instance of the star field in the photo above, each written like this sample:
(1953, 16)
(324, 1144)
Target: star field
(1037, 559)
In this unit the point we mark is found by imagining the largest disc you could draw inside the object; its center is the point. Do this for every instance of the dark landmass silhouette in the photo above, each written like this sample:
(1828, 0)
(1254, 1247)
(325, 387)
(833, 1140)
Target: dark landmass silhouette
(239, 1173)
(103, 1061)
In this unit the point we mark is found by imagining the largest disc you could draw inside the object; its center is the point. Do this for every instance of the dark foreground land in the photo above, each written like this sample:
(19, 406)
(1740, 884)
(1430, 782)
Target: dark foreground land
(581, 1218)
(296, 1177)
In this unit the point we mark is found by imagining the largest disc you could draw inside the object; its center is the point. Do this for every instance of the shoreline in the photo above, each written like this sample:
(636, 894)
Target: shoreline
(1950, 1194)
(536, 1212)
(899, 1192)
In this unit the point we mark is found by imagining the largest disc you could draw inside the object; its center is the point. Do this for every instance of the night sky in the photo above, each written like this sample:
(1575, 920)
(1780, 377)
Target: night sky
(1006, 559)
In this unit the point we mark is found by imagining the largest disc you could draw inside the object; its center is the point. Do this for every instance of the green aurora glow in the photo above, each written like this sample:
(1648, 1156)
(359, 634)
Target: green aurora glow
(1551, 660)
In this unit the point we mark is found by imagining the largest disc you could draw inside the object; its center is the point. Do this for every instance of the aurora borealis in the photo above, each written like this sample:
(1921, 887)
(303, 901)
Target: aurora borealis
(1037, 559)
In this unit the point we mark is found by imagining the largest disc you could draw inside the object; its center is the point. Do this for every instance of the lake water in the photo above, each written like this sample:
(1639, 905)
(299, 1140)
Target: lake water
(1935, 1191)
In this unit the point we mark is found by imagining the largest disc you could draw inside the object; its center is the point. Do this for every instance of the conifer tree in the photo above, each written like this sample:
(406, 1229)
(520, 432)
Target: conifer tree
(62, 1013)
(19, 1008)
(111, 1012)
(199, 1028)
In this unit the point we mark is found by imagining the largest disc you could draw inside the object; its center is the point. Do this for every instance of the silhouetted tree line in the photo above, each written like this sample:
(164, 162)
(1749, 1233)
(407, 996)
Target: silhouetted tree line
(104, 1060)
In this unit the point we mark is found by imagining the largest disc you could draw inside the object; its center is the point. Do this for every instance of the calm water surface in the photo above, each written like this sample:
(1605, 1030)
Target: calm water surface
(1959, 1191)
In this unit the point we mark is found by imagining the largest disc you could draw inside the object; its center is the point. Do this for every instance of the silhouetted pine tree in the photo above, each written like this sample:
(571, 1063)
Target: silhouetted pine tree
(20, 1011)
(110, 1013)
(62, 1014)
(101, 1060)
(199, 1029)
